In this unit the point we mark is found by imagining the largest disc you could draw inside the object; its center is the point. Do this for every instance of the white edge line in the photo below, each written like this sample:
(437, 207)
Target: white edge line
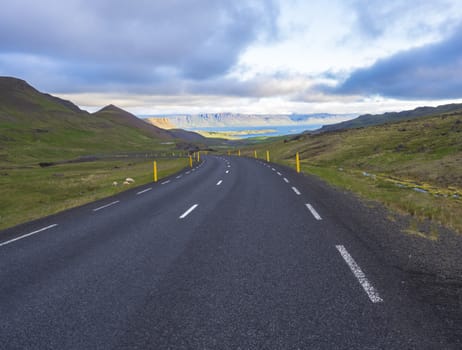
(187, 212)
(286, 180)
(178, 177)
(165, 182)
(27, 235)
(227, 171)
(359, 274)
(105, 206)
(296, 190)
(219, 182)
(279, 173)
(313, 211)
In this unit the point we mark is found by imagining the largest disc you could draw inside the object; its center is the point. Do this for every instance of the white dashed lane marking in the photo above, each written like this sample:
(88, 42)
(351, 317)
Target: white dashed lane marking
(144, 191)
(313, 211)
(107, 205)
(187, 212)
(297, 192)
(27, 235)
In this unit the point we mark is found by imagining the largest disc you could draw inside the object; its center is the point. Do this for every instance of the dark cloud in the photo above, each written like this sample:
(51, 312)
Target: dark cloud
(115, 42)
(433, 71)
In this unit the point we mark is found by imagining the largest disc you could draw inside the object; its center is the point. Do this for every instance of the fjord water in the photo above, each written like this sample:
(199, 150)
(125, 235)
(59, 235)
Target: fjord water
(273, 130)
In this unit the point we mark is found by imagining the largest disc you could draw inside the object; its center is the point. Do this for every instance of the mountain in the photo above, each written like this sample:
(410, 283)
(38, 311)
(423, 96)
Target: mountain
(378, 119)
(124, 118)
(189, 136)
(36, 127)
(20, 101)
(229, 120)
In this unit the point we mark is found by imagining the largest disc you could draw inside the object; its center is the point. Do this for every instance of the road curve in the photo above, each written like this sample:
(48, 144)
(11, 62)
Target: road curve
(235, 253)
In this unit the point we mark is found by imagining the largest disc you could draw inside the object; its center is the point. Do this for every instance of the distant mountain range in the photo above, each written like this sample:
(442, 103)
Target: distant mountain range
(229, 120)
(390, 117)
(30, 117)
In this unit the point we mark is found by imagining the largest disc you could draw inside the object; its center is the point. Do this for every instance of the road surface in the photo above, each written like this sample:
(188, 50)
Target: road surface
(233, 254)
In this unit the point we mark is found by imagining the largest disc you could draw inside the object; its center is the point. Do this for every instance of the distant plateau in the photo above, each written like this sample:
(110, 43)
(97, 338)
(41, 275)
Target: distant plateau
(238, 126)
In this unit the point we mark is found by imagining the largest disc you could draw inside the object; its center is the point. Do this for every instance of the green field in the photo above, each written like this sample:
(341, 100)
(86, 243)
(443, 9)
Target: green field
(32, 192)
(413, 167)
(37, 128)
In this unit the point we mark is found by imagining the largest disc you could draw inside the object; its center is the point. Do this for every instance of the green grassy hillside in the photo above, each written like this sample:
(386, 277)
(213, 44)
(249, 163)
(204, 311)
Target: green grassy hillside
(414, 166)
(39, 128)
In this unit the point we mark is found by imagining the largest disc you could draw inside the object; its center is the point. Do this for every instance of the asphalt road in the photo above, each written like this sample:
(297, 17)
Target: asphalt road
(234, 254)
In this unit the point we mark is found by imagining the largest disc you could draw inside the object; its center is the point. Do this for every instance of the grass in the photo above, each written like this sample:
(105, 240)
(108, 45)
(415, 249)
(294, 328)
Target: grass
(399, 159)
(29, 193)
(38, 128)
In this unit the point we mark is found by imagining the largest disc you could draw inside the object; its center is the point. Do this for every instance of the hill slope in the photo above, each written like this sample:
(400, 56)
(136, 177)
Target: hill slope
(124, 118)
(38, 127)
(413, 166)
(20, 101)
(391, 117)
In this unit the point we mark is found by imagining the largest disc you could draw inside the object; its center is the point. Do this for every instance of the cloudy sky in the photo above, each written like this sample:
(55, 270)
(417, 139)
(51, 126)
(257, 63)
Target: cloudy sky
(248, 56)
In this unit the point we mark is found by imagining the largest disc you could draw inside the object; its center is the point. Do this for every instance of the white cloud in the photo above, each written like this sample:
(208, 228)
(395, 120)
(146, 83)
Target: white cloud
(214, 56)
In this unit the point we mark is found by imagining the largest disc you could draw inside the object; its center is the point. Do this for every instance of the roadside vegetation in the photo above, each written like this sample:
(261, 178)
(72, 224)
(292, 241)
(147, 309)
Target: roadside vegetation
(32, 192)
(413, 167)
(54, 156)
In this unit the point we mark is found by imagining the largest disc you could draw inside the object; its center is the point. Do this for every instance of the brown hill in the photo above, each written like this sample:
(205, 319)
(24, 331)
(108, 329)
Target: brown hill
(122, 117)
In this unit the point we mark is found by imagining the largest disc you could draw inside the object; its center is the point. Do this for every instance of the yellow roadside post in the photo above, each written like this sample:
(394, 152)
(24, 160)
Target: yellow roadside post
(267, 156)
(229, 153)
(155, 171)
(255, 154)
(198, 156)
(239, 152)
(190, 161)
(297, 162)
